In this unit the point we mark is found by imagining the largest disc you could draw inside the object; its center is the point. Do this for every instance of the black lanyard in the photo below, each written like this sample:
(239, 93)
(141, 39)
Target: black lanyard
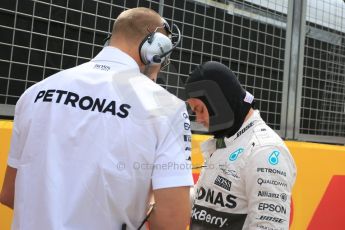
(124, 226)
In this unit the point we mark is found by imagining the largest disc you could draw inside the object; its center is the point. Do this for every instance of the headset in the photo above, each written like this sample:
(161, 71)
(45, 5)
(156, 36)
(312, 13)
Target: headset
(156, 47)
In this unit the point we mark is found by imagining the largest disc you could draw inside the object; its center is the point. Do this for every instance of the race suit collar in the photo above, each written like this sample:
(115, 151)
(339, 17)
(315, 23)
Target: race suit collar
(246, 126)
(209, 147)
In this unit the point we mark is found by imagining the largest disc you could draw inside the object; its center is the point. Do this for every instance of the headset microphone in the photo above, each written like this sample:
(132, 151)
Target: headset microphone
(157, 59)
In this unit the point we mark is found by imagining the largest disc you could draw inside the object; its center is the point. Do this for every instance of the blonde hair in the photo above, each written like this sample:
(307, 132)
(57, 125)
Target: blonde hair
(134, 24)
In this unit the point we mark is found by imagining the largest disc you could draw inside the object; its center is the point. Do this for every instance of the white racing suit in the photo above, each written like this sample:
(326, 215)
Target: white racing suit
(247, 184)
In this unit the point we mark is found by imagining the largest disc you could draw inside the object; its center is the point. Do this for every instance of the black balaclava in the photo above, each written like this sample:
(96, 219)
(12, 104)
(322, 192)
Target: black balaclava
(227, 102)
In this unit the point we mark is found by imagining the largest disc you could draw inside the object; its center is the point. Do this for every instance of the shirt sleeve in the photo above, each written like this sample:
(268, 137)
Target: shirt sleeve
(15, 153)
(270, 175)
(172, 166)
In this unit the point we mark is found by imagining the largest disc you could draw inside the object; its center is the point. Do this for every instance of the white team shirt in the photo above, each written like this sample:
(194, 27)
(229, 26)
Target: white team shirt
(90, 142)
(246, 185)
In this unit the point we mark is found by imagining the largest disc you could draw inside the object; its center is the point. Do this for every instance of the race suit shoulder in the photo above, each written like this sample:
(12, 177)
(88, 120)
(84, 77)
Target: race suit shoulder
(246, 185)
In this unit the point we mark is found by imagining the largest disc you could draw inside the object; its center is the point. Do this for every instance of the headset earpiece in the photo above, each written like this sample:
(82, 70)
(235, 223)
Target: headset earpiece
(154, 47)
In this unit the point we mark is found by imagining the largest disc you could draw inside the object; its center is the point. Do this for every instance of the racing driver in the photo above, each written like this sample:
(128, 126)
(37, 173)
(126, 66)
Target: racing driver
(249, 173)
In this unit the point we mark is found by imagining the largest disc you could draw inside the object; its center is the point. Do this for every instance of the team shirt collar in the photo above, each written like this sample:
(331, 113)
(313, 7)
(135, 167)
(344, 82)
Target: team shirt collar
(113, 54)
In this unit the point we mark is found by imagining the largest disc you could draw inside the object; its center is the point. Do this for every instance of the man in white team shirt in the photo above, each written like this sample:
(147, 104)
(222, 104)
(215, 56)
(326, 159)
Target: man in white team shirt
(91, 144)
(248, 175)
